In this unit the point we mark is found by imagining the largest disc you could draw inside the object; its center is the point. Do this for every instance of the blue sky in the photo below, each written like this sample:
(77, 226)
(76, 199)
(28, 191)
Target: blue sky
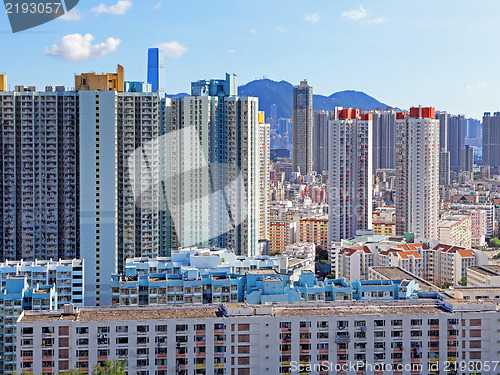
(441, 53)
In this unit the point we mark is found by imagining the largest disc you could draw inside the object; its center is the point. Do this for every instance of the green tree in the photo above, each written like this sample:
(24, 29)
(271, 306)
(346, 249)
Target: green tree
(321, 254)
(495, 242)
(463, 281)
(110, 368)
(331, 276)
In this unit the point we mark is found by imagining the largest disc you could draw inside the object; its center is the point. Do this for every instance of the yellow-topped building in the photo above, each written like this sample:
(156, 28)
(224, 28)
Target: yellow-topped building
(101, 82)
(3, 82)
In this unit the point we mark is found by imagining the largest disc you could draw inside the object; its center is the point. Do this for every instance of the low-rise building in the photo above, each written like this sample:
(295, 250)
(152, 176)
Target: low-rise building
(483, 276)
(67, 276)
(344, 338)
(15, 296)
(315, 229)
(301, 248)
(455, 230)
(384, 228)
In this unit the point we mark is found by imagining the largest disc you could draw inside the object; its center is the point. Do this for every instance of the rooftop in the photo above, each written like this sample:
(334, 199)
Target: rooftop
(487, 270)
(397, 273)
(101, 314)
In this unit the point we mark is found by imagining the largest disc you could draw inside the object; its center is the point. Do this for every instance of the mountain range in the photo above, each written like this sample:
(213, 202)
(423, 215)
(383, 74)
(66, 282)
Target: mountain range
(280, 93)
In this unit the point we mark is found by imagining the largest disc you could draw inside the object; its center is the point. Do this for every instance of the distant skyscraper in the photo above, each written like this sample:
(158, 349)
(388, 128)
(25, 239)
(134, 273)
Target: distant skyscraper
(320, 141)
(491, 141)
(384, 139)
(39, 179)
(417, 145)
(468, 159)
(444, 168)
(442, 116)
(349, 174)
(302, 154)
(273, 118)
(155, 69)
(456, 140)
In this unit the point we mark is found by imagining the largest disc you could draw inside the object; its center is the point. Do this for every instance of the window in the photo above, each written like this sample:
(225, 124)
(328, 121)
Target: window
(397, 322)
(122, 352)
(102, 329)
(181, 327)
(121, 329)
(47, 330)
(161, 328)
(82, 330)
(122, 340)
(142, 340)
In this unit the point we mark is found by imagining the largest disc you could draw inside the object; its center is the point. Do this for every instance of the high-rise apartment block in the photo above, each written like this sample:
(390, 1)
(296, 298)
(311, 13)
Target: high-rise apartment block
(264, 176)
(120, 205)
(417, 150)
(456, 140)
(468, 159)
(444, 168)
(212, 180)
(384, 139)
(350, 174)
(302, 154)
(39, 203)
(491, 141)
(320, 141)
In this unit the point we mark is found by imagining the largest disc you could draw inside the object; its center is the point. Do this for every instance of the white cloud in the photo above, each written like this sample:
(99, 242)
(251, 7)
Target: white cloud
(157, 6)
(231, 50)
(356, 15)
(172, 49)
(375, 21)
(361, 15)
(252, 31)
(120, 8)
(476, 86)
(79, 48)
(312, 17)
(74, 15)
(280, 29)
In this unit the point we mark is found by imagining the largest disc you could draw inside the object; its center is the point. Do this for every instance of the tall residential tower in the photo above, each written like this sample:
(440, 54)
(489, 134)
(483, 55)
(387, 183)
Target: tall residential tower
(302, 156)
(417, 152)
(350, 174)
(39, 198)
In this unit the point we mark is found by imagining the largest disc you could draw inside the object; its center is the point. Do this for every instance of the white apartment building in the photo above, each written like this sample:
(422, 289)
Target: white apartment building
(350, 174)
(479, 228)
(347, 338)
(455, 230)
(417, 164)
(489, 210)
(437, 263)
(264, 176)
